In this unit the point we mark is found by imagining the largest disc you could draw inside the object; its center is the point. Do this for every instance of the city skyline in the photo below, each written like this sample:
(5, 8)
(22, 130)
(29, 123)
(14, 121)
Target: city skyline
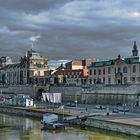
(69, 29)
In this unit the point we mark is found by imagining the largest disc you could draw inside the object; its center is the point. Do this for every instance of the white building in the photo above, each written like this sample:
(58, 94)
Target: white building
(117, 71)
(22, 100)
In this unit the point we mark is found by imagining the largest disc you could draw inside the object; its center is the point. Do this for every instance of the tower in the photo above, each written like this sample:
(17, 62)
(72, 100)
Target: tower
(135, 50)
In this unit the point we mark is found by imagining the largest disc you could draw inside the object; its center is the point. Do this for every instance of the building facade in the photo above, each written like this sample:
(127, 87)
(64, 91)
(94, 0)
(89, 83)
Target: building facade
(72, 77)
(5, 60)
(32, 69)
(78, 64)
(74, 73)
(116, 71)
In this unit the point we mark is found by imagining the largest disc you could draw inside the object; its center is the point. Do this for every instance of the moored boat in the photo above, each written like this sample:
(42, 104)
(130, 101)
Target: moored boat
(50, 122)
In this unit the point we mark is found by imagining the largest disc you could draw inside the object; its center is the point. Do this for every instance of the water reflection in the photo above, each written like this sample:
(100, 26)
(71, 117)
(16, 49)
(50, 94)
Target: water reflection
(19, 128)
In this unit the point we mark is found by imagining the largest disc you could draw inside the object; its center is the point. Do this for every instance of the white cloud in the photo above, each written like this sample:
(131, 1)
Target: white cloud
(89, 13)
(5, 30)
(69, 28)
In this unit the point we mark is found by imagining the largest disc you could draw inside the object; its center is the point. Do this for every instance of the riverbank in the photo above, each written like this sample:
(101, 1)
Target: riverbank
(36, 112)
(100, 121)
(116, 125)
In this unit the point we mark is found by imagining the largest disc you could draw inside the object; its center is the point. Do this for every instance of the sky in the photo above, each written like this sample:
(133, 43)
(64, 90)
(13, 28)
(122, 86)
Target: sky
(69, 29)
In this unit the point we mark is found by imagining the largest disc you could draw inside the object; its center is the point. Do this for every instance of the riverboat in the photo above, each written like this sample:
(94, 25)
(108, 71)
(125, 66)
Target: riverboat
(51, 122)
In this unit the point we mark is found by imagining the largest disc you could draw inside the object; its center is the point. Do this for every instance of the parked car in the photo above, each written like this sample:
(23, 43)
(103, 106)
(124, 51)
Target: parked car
(122, 109)
(115, 110)
(71, 104)
(100, 107)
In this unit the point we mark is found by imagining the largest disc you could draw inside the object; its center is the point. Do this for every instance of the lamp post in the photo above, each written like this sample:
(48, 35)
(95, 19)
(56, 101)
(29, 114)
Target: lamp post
(137, 100)
(76, 99)
(124, 104)
(34, 90)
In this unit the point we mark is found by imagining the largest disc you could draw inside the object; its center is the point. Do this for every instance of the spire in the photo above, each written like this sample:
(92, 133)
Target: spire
(135, 50)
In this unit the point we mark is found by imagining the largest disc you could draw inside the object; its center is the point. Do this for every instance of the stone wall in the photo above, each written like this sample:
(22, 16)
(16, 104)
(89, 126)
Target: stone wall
(113, 126)
(70, 94)
(27, 89)
(100, 95)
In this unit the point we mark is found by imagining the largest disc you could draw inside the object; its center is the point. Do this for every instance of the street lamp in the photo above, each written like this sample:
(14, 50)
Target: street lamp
(137, 100)
(124, 104)
(76, 99)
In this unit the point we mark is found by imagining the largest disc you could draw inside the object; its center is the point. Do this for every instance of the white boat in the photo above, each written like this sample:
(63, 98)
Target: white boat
(54, 126)
(51, 122)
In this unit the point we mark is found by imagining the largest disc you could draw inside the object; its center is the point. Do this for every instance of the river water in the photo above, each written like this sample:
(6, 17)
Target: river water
(21, 128)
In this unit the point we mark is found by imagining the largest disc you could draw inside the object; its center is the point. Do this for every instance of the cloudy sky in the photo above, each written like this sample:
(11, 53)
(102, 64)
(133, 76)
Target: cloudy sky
(68, 29)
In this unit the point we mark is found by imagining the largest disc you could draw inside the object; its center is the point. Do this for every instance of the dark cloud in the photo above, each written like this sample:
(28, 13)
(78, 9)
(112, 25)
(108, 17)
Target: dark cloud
(69, 29)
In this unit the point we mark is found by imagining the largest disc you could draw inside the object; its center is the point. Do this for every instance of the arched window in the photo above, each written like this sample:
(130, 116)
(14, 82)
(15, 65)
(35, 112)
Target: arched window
(119, 69)
(125, 70)
(134, 69)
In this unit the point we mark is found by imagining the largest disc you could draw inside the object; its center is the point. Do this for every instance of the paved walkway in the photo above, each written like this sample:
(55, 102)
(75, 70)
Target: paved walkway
(131, 121)
(128, 118)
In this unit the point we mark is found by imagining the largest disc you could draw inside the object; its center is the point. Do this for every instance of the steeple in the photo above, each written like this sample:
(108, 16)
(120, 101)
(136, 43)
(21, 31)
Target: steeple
(135, 50)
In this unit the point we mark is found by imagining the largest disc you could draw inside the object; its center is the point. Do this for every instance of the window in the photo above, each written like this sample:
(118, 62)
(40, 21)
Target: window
(109, 80)
(99, 72)
(134, 69)
(138, 79)
(103, 71)
(94, 72)
(119, 69)
(133, 79)
(104, 80)
(109, 70)
(125, 70)
(98, 81)
(125, 80)
(114, 70)
(90, 81)
(94, 81)
(90, 72)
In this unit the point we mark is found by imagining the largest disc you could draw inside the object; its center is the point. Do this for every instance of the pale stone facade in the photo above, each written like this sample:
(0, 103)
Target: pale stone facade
(116, 71)
(32, 69)
(38, 68)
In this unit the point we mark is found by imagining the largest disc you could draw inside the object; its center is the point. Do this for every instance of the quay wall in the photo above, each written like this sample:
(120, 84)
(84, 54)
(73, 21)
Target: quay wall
(113, 126)
(110, 96)
(95, 95)
(22, 89)
(21, 112)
